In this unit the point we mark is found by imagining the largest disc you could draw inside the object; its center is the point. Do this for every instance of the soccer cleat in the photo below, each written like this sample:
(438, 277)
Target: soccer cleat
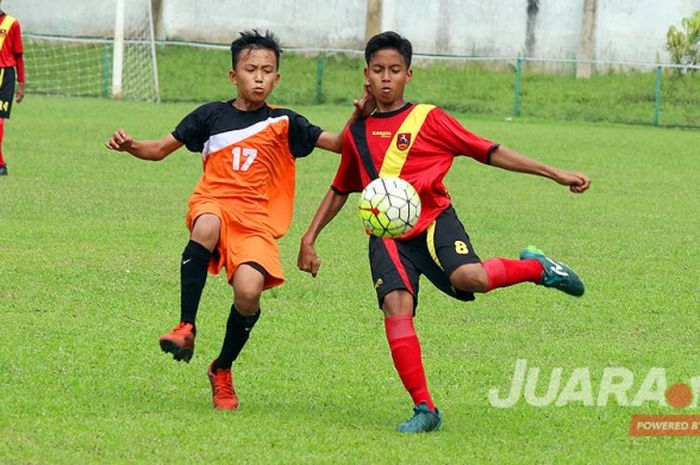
(423, 420)
(3, 170)
(179, 342)
(556, 274)
(222, 393)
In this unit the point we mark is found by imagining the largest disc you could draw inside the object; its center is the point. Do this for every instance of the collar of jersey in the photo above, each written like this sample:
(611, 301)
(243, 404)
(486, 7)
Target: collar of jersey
(389, 114)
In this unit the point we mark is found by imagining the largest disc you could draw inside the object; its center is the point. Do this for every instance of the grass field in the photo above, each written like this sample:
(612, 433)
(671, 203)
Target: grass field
(89, 249)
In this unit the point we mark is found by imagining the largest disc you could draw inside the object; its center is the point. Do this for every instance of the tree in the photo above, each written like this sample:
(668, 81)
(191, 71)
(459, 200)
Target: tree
(684, 45)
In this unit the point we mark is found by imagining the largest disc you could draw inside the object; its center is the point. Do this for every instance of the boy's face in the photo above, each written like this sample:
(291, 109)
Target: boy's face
(387, 75)
(255, 75)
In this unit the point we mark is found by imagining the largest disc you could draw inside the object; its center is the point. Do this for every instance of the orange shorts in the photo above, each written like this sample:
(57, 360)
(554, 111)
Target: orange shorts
(238, 243)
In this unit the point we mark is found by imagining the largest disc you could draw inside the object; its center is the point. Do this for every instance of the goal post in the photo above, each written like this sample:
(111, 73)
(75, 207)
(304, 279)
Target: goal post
(118, 55)
(115, 57)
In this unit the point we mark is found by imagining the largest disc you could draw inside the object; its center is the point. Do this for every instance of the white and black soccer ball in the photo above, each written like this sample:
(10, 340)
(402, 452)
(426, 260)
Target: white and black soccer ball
(389, 207)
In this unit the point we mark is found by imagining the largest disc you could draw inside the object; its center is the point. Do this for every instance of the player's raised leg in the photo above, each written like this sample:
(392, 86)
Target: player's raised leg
(248, 281)
(533, 267)
(193, 276)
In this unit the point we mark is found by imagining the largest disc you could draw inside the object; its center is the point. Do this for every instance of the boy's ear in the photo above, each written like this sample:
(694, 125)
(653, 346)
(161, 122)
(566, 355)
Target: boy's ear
(232, 76)
(409, 75)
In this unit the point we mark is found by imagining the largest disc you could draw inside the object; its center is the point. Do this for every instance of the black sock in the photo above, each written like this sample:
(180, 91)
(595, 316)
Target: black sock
(238, 329)
(193, 276)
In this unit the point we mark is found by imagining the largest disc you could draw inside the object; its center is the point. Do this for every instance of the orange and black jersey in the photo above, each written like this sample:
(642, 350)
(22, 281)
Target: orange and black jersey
(249, 159)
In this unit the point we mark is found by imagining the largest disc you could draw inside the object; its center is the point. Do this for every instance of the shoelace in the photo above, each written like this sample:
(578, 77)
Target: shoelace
(180, 327)
(223, 383)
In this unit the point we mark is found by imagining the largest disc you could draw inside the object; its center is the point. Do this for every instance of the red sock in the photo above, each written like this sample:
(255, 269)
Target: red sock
(2, 131)
(503, 272)
(405, 350)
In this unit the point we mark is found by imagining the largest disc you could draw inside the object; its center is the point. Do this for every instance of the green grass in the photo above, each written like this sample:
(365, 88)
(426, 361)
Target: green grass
(617, 97)
(90, 242)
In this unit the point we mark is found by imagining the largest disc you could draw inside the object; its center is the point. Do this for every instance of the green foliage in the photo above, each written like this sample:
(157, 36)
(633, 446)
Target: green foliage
(620, 96)
(684, 45)
(89, 268)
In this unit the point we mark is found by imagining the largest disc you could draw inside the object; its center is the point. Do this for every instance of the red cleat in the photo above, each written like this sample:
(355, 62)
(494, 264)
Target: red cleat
(222, 392)
(179, 342)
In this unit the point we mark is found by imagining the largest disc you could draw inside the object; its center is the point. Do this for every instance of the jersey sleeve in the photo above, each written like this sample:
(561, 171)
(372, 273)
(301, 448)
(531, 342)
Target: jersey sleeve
(191, 131)
(18, 50)
(17, 45)
(347, 178)
(302, 135)
(458, 140)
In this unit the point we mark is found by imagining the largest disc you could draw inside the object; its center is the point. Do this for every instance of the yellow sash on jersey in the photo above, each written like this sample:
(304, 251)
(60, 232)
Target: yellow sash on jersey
(394, 158)
(5, 26)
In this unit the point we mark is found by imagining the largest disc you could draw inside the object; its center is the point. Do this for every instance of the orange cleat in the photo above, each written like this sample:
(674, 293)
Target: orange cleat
(222, 392)
(179, 342)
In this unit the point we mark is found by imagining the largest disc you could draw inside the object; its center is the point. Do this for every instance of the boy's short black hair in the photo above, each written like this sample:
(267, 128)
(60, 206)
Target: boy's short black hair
(255, 40)
(389, 39)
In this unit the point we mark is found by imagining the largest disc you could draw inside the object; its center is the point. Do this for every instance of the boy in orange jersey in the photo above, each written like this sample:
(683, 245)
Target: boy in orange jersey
(243, 201)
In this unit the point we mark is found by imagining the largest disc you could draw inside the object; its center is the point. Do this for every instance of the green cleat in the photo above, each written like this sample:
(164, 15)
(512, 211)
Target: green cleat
(424, 420)
(556, 274)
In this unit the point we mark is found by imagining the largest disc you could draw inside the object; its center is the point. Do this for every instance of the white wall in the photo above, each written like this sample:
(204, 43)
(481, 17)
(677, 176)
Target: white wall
(626, 30)
(63, 17)
(298, 23)
(636, 29)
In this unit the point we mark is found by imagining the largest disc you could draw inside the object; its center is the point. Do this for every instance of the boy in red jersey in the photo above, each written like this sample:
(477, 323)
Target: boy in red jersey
(418, 143)
(243, 201)
(11, 59)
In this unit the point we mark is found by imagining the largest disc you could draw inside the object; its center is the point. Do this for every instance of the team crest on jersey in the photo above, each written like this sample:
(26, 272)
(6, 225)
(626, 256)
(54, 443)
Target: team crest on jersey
(403, 140)
(3, 32)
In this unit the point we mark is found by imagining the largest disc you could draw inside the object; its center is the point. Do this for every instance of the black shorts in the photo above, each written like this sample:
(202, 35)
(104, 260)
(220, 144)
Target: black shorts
(7, 91)
(435, 253)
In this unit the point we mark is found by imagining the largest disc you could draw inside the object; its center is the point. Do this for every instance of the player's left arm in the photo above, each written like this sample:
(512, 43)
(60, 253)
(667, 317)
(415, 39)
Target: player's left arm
(19, 92)
(363, 107)
(331, 204)
(18, 52)
(509, 159)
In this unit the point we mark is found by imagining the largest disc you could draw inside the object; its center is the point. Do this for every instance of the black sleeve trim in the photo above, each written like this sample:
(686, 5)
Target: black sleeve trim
(338, 191)
(493, 148)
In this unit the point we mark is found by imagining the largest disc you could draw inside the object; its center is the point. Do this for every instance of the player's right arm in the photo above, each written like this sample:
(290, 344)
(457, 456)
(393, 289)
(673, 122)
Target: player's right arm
(331, 204)
(153, 150)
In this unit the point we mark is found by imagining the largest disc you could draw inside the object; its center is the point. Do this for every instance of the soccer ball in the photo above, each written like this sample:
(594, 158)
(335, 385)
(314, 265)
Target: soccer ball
(389, 207)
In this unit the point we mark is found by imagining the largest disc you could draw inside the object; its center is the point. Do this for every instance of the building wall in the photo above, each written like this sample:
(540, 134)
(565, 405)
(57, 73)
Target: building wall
(626, 30)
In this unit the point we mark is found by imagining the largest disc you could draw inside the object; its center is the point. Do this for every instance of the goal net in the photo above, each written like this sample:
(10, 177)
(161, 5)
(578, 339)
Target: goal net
(113, 56)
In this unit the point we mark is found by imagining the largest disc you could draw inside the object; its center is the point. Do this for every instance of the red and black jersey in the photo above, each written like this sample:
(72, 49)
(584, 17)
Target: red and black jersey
(417, 143)
(249, 159)
(11, 47)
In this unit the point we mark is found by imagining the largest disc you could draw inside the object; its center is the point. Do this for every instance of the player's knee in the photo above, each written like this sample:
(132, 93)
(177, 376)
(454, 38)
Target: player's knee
(470, 278)
(248, 284)
(398, 303)
(247, 300)
(206, 231)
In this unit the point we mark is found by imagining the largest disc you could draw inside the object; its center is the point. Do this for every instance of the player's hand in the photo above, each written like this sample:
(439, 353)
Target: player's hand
(365, 105)
(120, 141)
(577, 182)
(19, 93)
(308, 260)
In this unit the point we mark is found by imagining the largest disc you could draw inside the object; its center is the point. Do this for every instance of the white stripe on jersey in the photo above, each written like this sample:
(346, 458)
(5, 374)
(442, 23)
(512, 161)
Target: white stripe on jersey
(217, 142)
